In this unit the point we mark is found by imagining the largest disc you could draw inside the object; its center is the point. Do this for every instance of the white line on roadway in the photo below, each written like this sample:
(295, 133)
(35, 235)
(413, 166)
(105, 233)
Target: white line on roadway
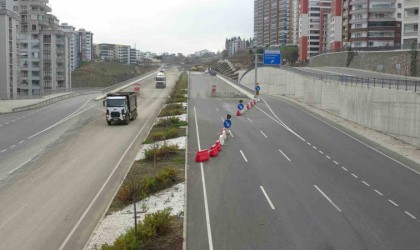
(315, 147)
(242, 153)
(345, 169)
(14, 215)
(217, 109)
(12, 146)
(329, 158)
(381, 194)
(222, 119)
(328, 198)
(268, 198)
(393, 203)
(249, 119)
(203, 179)
(355, 176)
(321, 152)
(367, 184)
(103, 186)
(412, 216)
(21, 165)
(284, 155)
(230, 132)
(336, 163)
(263, 134)
(309, 143)
(4, 150)
(21, 142)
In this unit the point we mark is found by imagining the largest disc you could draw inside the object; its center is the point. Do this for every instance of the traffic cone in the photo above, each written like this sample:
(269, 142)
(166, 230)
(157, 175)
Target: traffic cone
(238, 113)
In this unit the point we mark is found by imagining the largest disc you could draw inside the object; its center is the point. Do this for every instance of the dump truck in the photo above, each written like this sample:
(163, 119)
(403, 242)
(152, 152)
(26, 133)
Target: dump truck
(160, 80)
(121, 107)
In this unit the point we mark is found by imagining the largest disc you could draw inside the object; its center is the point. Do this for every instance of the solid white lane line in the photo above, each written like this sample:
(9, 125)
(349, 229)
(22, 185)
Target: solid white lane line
(314, 147)
(268, 198)
(412, 216)
(329, 157)
(321, 152)
(249, 119)
(285, 156)
(345, 169)
(203, 179)
(242, 153)
(328, 198)
(367, 184)
(103, 186)
(393, 203)
(355, 176)
(381, 194)
(21, 165)
(263, 134)
(336, 163)
(13, 216)
(217, 109)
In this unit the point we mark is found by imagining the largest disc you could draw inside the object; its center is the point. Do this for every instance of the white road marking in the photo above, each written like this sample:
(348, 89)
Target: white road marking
(217, 109)
(321, 152)
(309, 143)
(263, 134)
(328, 198)
(381, 194)
(203, 179)
(367, 184)
(412, 216)
(285, 156)
(4, 150)
(329, 158)
(230, 132)
(222, 119)
(345, 169)
(12, 146)
(315, 147)
(355, 176)
(393, 203)
(249, 119)
(103, 186)
(7, 123)
(268, 198)
(13, 216)
(21, 165)
(1, 125)
(21, 142)
(242, 153)
(336, 163)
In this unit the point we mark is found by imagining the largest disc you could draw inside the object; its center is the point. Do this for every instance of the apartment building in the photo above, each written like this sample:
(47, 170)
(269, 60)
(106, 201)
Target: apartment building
(313, 27)
(372, 23)
(122, 53)
(275, 22)
(74, 45)
(9, 22)
(410, 23)
(85, 45)
(335, 35)
(234, 45)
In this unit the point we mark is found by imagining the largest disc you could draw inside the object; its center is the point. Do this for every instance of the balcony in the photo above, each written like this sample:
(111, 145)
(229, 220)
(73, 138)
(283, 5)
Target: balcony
(411, 3)
(358, 11)
(411, 18)
(359, 20)
(382, 10)
(411, 33)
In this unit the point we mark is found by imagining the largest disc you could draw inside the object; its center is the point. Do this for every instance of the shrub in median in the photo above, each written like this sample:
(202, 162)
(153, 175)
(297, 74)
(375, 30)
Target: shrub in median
(160, 152)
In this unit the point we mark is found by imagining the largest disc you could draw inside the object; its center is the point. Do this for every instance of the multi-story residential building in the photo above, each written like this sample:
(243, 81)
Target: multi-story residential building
(372, 23)
(9, 22)
(85, 45)
(122, 53)
(313, 27)
(134, 56)
(335, 26)
(275, 22)
(234, 45)
(410, 33)
(105, 51)
(74, 45)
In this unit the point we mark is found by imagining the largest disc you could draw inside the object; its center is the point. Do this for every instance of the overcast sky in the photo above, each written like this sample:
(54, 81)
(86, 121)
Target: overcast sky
(160, 26)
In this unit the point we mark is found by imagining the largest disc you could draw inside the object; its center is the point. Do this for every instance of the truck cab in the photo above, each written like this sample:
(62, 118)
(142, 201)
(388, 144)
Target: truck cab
(160, 80)
(121, 107)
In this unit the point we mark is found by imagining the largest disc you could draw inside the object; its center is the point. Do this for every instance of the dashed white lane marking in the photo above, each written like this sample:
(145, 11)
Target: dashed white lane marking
(249, 119)
(242, 153)
(4, 150)
(12, 146)
(329, 158)
(217, 109)
(336, 163)
(321, 152)
(393, 203)
(21, 142)
(230, 132)
(285, 156)
(314, 147)
(367, 184)
(309, 143)
(7, 123)
(328, 198)
(1, 125)
(355, 176)
(412, 216)
(12, 121)
(345, 169)
(263, 134)
(222, 118)
(268, 198)
(381, 194)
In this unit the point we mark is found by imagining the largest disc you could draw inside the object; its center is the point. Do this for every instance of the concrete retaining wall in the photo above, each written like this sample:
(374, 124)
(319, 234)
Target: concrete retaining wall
(394, 112)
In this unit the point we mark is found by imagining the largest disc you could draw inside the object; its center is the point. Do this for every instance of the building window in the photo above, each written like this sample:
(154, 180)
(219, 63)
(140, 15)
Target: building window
(399, 15)
(399, 6)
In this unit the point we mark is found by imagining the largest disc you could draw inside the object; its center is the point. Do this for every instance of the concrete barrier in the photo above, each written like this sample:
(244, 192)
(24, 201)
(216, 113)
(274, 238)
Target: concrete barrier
(394, 112)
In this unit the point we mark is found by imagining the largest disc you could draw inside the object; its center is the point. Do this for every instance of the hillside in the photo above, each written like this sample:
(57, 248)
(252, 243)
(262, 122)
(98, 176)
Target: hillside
(104, 74)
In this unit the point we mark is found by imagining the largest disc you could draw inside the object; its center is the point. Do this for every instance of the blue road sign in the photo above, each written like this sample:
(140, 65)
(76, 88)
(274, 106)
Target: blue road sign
(241, 106)
(227, 123)
(272, 57)
(257, 88)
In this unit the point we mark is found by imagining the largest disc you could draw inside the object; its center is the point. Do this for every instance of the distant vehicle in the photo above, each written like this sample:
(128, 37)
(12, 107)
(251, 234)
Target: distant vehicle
(212, 72)
(160, 80)
(121, 107)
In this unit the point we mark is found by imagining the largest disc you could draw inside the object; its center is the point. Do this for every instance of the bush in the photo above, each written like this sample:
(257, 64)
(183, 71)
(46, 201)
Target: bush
(127, 241)
(166, 177)
(171, 133)
(160, 152)
(171, 112)
(168, 122)
(158, 135)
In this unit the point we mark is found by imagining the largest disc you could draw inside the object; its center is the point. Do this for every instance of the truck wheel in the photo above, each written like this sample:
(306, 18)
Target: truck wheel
(127, 120)
(109, 122)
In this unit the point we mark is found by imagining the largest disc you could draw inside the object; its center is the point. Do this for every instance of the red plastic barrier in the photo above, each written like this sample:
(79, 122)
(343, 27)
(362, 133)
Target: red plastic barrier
(248, 106)
(251, 103)
(238, 113)
(219, 145)
(255, 101)
(202, 155)
(214, 151)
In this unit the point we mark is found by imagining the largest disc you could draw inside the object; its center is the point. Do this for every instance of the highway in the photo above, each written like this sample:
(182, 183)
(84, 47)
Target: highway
(290, 180)
(62, 166)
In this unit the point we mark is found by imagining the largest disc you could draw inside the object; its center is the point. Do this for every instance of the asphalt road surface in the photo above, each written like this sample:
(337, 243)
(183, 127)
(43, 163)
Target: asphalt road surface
(289, 180)
(65, 168)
